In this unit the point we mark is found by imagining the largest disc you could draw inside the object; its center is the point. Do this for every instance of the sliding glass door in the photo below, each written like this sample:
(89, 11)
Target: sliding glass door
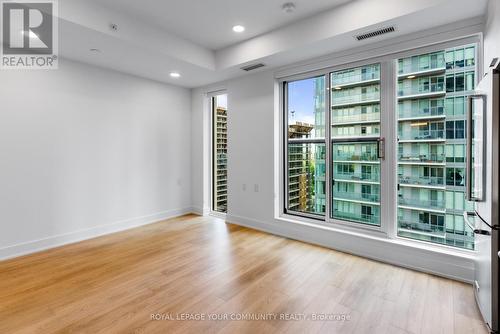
(305, 191)
(355, 134)
(350, 158)
(339, 121)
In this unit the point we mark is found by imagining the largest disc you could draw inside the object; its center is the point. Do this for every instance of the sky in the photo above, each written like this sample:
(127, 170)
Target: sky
(301, 100)
(222, 101)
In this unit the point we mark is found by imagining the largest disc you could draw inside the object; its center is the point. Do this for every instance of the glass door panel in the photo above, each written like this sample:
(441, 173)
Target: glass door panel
(355, 130)
(356, 182)
(431, 149)
(306, 147)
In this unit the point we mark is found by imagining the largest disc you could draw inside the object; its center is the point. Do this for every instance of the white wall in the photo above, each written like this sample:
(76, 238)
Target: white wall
(86, 151)
(492, 32)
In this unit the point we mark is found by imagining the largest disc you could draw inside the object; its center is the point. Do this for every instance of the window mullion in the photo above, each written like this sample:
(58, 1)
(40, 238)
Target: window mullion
(328, 152)
(388, 176)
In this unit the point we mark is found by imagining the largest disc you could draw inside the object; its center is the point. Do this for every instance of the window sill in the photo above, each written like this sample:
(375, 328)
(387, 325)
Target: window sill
(367, 232)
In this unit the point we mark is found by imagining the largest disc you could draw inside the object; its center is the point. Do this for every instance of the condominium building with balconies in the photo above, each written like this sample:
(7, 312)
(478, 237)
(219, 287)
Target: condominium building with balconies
(432, 91)
(220, 165)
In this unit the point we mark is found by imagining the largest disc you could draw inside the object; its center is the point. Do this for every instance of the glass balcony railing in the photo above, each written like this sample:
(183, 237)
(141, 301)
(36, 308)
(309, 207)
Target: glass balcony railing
(354, 77)
(420, 226)
(422, 203)
(340, 132)
(358, 196)
(421, 180)
(371, 177)
(415, 67)
(430, 158)
(375, 116)
(422, 89)
(415, 134)
(461, 237)
(373, 219)
(425, 112)
(342, 99)
(355, 157)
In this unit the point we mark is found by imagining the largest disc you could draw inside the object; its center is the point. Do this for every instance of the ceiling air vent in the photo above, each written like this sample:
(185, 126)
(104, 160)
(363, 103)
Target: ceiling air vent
(252, 67)
(375, 33)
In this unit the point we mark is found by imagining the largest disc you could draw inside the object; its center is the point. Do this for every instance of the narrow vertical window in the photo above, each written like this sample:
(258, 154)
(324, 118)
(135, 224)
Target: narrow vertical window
(306, 149)
(355, 130)
(219, 153)
(431, 154)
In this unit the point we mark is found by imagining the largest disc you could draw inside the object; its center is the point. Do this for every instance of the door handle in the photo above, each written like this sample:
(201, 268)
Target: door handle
(381, 148)
(472, 225)
(468, 144)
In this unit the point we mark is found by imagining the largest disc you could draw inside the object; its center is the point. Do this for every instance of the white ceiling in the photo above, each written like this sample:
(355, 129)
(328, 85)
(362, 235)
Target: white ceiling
(142, 47)
(209, 23)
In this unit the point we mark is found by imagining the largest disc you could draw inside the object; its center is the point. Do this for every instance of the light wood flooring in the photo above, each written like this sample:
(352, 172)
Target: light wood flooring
(199, 267)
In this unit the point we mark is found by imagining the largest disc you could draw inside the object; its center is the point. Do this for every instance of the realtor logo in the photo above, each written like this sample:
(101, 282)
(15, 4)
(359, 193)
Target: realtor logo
(29, 34)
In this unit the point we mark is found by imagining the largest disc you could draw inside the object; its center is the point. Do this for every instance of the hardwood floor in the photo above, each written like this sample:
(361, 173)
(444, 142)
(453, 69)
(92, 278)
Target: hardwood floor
(199, 266)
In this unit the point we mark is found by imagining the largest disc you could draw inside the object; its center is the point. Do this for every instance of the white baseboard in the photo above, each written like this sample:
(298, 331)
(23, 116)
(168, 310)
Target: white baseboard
(198, 210)
(64, 239)
(457, 267)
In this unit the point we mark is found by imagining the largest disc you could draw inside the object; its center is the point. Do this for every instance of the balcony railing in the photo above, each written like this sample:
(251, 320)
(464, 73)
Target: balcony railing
(355, 157)
(422, 203)
(358, 133)
(354, 99)
(368, 117)
(358, 196)
(426, 181)
(420, 226)
(425, 112)
(438, 64)
(358, 217)
(421, 134)
(422, 89)
(355, 77)
(372, 177)
(430, 158)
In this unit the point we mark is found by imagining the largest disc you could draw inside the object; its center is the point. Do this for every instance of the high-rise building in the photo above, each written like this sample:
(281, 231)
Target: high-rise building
(220, 157)
(355, 129)
(300, 165)
(320, 154)
(432, 94)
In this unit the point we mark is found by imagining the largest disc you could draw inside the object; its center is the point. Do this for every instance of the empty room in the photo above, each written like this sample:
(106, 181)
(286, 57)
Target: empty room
(265, 166)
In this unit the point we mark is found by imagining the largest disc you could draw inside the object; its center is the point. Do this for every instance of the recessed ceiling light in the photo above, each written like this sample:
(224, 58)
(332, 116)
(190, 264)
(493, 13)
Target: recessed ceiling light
(175, 74)
(238, 28)
(411, 77)
(337, 88)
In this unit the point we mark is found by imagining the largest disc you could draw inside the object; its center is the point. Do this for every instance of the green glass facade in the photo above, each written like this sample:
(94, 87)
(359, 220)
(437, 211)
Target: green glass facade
(355, 117)
(432, 90)
(320, 126)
